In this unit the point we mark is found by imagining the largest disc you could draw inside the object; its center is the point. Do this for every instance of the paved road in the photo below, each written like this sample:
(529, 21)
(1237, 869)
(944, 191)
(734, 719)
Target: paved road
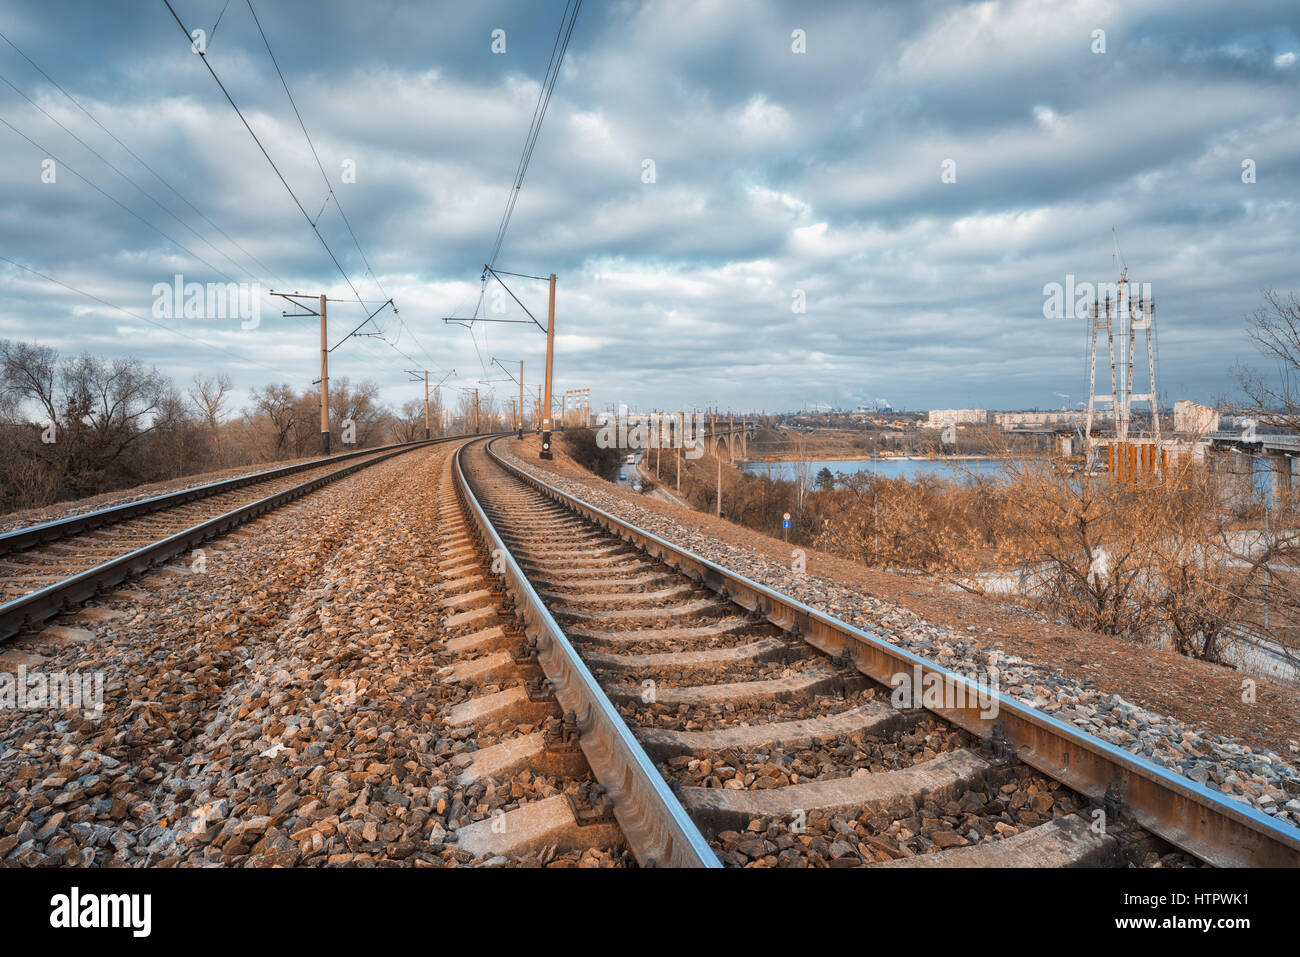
(625, 468)
(662, 486)
(640, 472)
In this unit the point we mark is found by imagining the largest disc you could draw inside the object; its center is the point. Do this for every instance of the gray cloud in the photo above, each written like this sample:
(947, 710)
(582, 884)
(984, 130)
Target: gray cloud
(776, 172)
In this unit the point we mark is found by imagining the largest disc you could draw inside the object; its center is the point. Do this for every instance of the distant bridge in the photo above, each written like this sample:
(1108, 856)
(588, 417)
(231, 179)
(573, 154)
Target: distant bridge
(727, 433)
(720, 435)
(1278, 451)
(1257, 444)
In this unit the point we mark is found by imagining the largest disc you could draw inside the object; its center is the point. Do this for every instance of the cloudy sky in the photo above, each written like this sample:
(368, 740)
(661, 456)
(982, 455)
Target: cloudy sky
(778, 175)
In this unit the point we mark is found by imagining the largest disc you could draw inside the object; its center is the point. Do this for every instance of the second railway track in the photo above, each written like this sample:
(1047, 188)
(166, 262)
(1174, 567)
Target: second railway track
(55, 566)
(730, 724)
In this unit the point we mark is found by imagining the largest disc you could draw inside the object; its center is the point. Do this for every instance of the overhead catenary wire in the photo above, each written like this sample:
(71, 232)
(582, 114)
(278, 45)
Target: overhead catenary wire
(136, 185)
(135, 315)
(330, 193)
(143, 192)
(158, 176)
(176, 192)
(313, 223)
(213, 32)
(133, 183)
(565, 32)
(113, 199)
(329, 186)
(558, 49)
(117, 202)
(297, 202)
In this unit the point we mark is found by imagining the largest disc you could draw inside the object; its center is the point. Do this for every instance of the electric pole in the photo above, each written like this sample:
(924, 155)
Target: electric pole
(437, 399)
(324, 383)
(325, 350)
(550, 361)
(417, 373)
(324, 362)
(681, 424)
(544, 406)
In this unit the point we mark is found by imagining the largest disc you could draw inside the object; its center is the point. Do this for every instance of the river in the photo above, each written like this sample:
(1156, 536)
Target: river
(953, 469)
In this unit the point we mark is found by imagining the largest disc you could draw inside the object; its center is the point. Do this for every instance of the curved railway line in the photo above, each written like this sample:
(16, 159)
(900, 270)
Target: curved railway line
(608, 697)
(729, 724)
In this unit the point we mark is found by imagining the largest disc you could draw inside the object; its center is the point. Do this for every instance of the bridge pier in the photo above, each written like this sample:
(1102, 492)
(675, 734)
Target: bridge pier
(715, 434)
(1280, 465)
(1236, 469)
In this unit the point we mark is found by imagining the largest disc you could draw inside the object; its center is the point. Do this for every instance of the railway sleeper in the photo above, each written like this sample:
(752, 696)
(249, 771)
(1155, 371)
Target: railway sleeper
(940, 777)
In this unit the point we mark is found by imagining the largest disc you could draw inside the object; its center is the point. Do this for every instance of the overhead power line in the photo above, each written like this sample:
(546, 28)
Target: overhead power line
(147, 195)
(297, 202)
(329, 186)
(330, 194)
(158, 176)
(136, 315)
(129, 179)
(567, 21)
(113, 199)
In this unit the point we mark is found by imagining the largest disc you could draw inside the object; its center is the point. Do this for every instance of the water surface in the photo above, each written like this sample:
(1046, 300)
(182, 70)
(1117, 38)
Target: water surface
(951, 469)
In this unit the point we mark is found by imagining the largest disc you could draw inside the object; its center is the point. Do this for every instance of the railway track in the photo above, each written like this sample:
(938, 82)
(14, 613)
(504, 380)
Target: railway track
(55, 566)
(368, 713)
(522, 791)
(592, 695)
(728, 724)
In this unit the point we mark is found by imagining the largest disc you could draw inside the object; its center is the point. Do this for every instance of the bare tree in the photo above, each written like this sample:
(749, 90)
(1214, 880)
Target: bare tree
(280, 407)
(29, 373)
(359, 406)
(1275, 329)
(121, 401)
(87, 424)
(91, 414)
(435, 413)
(409, 425)
(208, 393)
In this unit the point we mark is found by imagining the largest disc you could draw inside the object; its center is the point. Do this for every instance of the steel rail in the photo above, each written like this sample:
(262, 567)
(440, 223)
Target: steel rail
(1217, 829)
(36, 607)
(21, 539)
(658, 830)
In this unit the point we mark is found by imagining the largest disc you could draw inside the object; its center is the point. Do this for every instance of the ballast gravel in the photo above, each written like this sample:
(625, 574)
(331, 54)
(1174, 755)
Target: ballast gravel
(282, 706)
(1261, 778)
